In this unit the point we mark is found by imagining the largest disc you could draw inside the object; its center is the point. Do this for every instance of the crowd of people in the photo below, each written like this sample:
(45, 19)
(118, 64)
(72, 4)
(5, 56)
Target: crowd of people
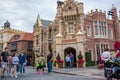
(14, 64)
(17, 61)
(69, 60)
(40, 63)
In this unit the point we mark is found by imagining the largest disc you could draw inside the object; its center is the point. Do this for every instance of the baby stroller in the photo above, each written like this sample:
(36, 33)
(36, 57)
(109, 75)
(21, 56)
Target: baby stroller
(112, 69)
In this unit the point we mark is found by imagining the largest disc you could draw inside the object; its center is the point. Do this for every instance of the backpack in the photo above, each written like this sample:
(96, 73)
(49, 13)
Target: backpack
(15, 60)
(39, 60)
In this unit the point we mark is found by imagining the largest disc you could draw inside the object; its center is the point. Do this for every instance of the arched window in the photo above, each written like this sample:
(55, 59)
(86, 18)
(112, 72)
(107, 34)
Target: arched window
(37, 39)
(111, 33)
(71, 28)
(88, 31)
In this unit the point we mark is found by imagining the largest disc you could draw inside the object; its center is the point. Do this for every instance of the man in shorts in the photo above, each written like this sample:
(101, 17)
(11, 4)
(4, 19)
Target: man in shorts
(4, 61)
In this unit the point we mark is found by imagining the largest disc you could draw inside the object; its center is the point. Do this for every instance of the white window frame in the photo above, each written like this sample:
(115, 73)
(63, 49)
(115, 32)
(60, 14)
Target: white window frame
(88, 30)
(102, 25)
(111, 33)
(70, 28)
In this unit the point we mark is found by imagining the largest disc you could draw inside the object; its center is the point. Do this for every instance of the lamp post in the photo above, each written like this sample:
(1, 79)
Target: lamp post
(50, 41)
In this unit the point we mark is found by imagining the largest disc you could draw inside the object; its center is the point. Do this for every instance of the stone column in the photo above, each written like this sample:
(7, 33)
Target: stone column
(60, 27)
(80, 44)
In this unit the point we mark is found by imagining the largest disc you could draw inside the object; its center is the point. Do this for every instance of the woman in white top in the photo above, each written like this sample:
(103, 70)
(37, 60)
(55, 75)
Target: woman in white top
(106, 55)
(15, 62)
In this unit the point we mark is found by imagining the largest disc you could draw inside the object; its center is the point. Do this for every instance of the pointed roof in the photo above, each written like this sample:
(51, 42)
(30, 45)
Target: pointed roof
(46, 23)
(38, 21)
(42, 22)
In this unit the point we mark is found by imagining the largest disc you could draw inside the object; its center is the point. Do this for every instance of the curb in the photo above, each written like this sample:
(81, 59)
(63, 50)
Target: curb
(64, 73)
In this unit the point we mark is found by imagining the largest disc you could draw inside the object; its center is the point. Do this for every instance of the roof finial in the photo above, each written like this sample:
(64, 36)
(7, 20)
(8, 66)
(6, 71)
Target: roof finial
(113, 6)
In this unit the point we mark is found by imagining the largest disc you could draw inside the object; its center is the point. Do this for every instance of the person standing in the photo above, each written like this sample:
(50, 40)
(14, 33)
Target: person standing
(4, 61)
(15, 62)
(68, 61)
(22, 62)
(72, 60)
(49, 62)
(40, 64)
(99, 58)
(9, 65)
(106, 57)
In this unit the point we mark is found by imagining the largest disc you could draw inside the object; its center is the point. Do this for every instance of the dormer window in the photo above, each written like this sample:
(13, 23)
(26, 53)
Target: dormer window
(16, 37)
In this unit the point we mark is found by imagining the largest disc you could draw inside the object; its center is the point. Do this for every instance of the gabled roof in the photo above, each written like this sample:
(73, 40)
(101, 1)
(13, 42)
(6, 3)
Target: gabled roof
(46, 22)
(22, 37)
(42, 22)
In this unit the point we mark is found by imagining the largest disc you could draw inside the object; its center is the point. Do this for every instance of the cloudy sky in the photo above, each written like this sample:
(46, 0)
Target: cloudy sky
(22, 13)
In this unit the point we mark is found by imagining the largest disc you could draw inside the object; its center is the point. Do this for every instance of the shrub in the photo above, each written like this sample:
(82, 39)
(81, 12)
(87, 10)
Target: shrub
(80, 56)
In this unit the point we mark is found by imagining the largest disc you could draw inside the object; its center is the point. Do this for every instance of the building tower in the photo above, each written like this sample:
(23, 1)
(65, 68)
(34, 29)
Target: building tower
(6, 25)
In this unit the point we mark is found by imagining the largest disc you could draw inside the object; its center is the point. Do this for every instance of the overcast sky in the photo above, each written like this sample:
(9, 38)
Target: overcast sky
(22, 14)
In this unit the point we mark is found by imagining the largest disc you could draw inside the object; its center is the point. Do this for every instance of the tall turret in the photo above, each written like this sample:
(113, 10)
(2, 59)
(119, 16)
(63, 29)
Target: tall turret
(114, 10)
(115, 22)
(59, 8)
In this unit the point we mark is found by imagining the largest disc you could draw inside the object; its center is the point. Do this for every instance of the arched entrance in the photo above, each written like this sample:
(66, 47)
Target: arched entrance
(68, 51)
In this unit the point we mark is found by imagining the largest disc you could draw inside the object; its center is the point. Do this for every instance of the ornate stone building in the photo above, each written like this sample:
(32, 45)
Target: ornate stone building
(66, 32)
(6, 33)
(40, 33)
(70, 36)
(72, 31)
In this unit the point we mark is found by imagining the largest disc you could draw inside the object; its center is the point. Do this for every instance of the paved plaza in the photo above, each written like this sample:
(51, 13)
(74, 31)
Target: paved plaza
(88, 73)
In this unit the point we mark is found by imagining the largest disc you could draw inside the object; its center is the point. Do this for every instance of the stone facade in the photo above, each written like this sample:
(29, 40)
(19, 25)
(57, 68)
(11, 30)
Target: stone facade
(73, 31)
(40, 33)
(70, 37)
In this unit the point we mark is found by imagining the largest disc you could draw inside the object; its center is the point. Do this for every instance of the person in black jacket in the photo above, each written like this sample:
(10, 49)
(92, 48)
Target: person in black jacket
(4, 61)
(22, 63)
(49, 62)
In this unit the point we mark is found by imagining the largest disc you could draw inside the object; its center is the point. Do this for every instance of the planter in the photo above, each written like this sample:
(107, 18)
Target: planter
(80, 65)
(60, 65)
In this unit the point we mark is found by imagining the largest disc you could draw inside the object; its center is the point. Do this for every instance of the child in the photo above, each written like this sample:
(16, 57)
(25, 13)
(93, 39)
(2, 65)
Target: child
(15, 62)
(9, 65)
(40, 64)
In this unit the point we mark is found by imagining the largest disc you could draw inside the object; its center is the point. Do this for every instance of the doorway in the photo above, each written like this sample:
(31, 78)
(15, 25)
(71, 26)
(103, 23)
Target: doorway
(73, 51)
